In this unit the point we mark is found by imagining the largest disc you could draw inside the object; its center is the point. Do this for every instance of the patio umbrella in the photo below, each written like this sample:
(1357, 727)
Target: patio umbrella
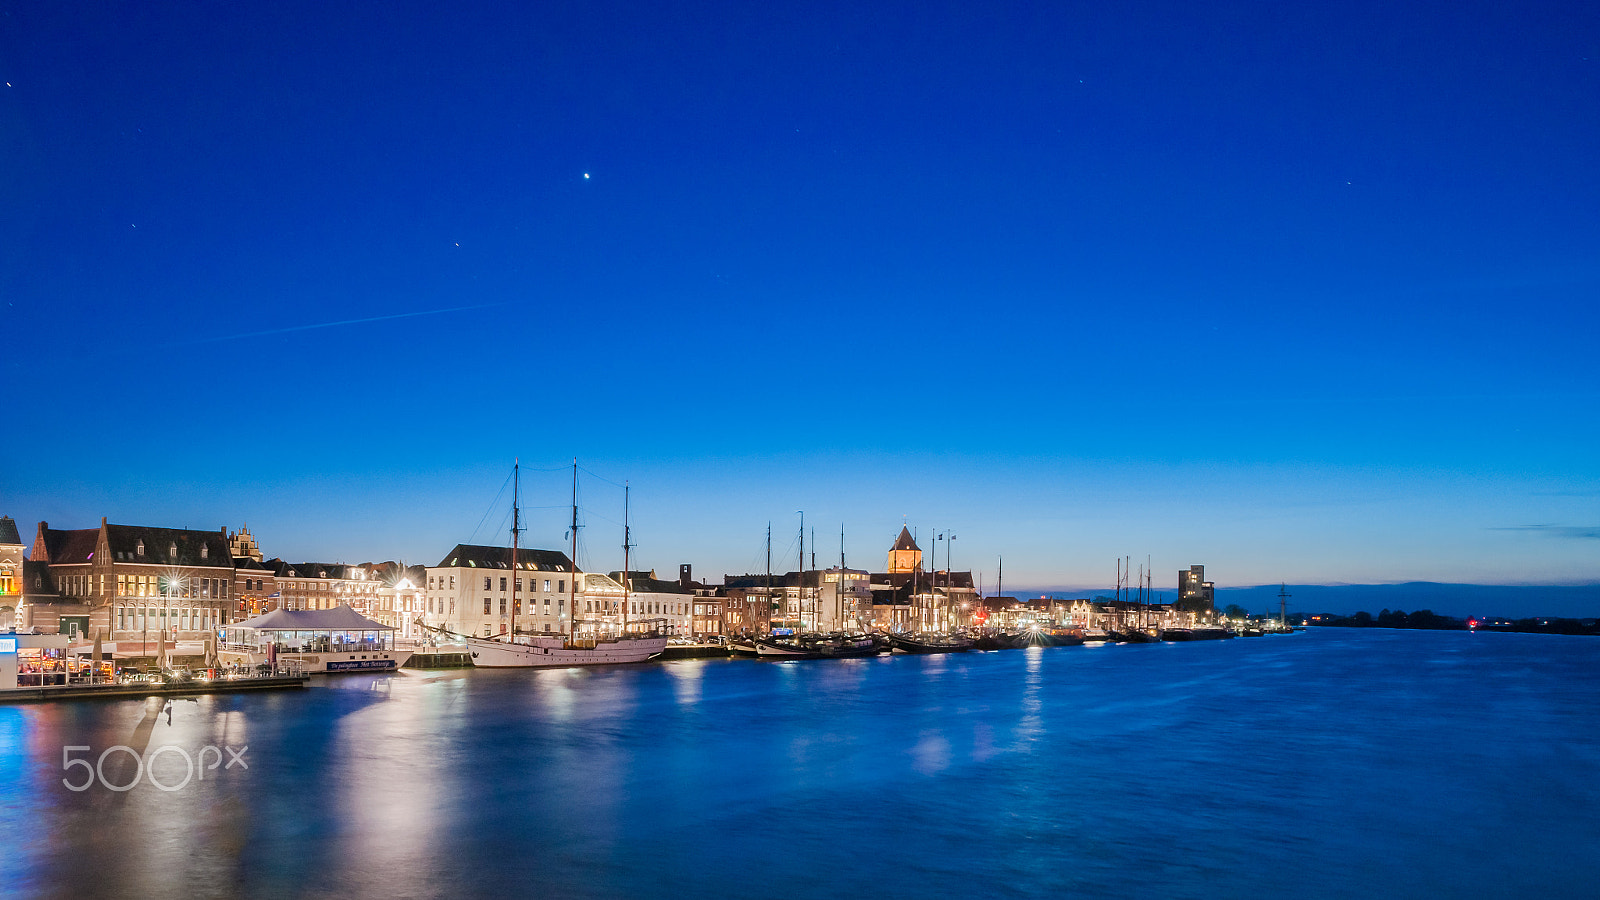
(98, 655)
(161, 649)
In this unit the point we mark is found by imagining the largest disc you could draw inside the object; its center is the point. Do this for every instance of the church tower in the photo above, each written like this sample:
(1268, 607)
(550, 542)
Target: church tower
(904, 556)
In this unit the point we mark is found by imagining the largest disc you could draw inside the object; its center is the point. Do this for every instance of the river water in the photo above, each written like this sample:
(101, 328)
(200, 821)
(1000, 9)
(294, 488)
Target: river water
(1334, 763)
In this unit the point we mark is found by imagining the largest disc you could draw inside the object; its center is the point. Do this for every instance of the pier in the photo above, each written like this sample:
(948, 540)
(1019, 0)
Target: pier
(138, 689)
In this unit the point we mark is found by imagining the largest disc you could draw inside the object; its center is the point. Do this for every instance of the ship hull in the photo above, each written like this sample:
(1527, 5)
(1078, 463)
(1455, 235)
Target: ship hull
(543, 652)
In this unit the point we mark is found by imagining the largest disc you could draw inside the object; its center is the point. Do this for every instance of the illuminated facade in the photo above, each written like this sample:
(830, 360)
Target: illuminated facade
(470, 591)
(131, 582)
(905, 556)
(1195, 593)
(667, 606)
(10, 574)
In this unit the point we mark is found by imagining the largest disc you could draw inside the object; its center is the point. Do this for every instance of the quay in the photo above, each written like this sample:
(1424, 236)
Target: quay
(137, 689)
(694, 651)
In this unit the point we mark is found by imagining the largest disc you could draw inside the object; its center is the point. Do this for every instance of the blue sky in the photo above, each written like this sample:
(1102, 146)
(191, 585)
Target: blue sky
(1298, 294)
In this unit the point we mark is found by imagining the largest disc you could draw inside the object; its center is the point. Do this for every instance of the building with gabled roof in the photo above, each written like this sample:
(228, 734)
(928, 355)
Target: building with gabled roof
(474, 590)
(134, 581)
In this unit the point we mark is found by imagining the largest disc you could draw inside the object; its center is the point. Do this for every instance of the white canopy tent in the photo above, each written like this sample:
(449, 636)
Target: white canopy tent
(334, 630)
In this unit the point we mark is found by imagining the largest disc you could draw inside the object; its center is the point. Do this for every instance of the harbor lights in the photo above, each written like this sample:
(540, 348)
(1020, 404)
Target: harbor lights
(171, 585)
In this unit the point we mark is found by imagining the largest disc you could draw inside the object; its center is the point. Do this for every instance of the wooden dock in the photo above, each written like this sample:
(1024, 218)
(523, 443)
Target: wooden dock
(137, 690)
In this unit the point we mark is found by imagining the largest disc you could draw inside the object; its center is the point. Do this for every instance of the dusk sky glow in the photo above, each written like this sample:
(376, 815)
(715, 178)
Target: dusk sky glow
(1299, 294)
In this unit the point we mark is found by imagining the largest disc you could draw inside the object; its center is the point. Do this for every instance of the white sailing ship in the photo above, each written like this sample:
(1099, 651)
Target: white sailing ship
(515, 650)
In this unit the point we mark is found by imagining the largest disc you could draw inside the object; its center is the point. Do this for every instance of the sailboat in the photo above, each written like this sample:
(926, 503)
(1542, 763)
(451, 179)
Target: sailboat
(512, 650)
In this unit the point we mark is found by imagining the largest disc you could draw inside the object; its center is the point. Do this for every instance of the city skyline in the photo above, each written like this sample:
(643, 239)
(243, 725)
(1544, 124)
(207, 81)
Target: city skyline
(1299, 295)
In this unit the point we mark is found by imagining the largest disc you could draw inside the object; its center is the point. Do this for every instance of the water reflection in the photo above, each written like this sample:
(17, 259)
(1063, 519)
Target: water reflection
(686, 675)
(1047, 770)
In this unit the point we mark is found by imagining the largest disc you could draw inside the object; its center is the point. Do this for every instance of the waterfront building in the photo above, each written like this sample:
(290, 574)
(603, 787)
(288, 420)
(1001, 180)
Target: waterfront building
(599, 604)
(708, 616)
(400, 597)
(1195, 593)
(748, 603)
(10, 574)
(135, 581)
(938, 600)
(843, 599)
(891, 607)
(470, 591)
(312, 585)
(666, 605)
(255, 587)
(40, 599)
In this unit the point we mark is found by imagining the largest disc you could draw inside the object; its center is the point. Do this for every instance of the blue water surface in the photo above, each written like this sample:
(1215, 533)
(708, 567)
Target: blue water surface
(1334, 763)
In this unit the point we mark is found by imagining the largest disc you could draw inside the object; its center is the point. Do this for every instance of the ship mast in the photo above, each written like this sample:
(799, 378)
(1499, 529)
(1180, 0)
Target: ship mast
(625, 544)
(516, 529)
(800, 598)
(769, 578)
(572, 596)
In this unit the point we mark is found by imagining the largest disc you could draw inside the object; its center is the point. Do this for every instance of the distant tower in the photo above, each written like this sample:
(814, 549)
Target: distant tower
(905, 555)
(1283, 603)
(1194, 591)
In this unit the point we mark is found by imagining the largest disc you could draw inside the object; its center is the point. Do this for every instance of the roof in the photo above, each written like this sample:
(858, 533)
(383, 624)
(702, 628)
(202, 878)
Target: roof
(478, 556)
(340, 618)
(905, 541)
(315, 570)
(642, 583)
(124, 542)
(67, 547)
(8, 531)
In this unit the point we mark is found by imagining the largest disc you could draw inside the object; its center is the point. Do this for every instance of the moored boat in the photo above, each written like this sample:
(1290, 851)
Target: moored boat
(555, 650)
(930, 643)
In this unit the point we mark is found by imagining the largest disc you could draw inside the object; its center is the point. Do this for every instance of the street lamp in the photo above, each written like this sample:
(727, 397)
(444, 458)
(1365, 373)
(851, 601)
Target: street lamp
(168, 584)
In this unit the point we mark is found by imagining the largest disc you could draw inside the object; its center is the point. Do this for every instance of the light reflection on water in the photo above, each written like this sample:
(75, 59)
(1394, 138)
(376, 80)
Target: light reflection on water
(1334, 763)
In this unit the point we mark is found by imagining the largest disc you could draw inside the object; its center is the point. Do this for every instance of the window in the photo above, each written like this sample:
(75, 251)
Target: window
(502, 584)
(452, 582)
(562, 586)
(502, 606)
(517, 607)
(139, 550)
(486, 606)
(488, 583)
(205, 552)
(547, 585)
